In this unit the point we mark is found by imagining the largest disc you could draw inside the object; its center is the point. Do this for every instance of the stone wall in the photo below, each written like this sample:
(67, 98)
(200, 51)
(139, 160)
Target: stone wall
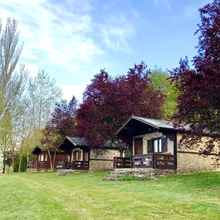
(102, 159)
(187, 161)
(190, 158)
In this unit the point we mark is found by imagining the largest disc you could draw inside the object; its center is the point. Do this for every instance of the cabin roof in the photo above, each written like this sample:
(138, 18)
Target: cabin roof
(77, 141)
(155, 123)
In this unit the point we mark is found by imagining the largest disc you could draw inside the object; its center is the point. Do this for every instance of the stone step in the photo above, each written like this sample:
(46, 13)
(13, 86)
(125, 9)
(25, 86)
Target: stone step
(141, 173)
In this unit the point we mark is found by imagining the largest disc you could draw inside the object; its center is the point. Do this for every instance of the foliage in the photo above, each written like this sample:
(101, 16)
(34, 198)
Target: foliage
(61, 123)
(20, 163)
(42, 96)
(6, 145)
(11, 83)
(109, 102)
(161, 81)
(35, 108)
(30, 141)
(16, 163)
(87, 196)
(63, 117)
(199, 100)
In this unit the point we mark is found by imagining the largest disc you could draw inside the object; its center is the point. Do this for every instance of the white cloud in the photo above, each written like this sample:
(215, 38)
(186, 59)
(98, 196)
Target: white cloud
(70, 90)
(64, 38)
(117, 31)
(52, 34)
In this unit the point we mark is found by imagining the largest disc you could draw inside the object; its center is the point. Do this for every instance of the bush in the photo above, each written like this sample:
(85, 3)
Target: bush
(23, 164)
(16, 163)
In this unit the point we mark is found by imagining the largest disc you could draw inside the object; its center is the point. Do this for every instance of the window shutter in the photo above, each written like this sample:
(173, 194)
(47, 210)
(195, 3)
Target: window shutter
(164, 144)
(150, 146)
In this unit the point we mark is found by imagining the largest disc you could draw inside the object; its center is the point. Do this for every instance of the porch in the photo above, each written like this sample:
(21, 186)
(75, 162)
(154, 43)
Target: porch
(155, 161)
(77, 152)
(152, 144)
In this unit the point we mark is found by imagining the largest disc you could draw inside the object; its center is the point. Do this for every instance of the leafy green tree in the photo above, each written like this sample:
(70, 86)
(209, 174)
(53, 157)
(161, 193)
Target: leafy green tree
(5, 137)
(161, 81)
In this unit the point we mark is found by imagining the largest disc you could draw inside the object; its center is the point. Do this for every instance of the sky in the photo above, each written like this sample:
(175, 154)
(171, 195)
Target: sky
(73, 39)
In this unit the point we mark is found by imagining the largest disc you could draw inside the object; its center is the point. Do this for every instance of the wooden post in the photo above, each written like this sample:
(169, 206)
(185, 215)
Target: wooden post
(175, 151)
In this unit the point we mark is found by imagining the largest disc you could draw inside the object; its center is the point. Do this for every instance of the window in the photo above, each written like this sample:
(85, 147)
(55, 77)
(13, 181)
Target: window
(45, 157)
(158, 145)
(42, 157)
(77, 155)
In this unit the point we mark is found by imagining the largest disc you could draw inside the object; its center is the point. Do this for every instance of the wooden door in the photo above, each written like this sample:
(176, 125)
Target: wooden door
(138, 146)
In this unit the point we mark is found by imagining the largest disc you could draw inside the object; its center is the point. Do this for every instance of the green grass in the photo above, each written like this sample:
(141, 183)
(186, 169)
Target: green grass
(86, 196)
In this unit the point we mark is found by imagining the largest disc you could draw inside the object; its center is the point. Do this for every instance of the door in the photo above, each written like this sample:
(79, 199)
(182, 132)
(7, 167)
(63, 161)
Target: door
(138, 146)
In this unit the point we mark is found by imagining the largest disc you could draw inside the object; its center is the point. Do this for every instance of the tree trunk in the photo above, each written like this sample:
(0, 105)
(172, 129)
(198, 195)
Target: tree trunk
(50, 159)
(28, 159)
(4, 165)
(20, 160)
(54, 158)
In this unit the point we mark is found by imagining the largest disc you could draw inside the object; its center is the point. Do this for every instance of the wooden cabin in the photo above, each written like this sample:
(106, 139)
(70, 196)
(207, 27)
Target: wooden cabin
(75, 153)
(159, 144)
(83, 156)
(152, 143)
(40, 159)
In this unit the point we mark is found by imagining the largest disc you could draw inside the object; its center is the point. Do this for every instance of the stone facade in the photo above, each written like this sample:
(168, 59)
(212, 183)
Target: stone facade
(190, 158)
(195, 162)
(102, 159)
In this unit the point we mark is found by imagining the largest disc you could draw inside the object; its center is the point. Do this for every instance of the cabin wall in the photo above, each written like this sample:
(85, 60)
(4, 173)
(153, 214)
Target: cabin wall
(102, 159)
(42, 161)
(189, 157)
(153, 135)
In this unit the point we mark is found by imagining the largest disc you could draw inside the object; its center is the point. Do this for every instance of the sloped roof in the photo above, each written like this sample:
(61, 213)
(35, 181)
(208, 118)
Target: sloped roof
(156, 123)
(114, 144)
(77, 141)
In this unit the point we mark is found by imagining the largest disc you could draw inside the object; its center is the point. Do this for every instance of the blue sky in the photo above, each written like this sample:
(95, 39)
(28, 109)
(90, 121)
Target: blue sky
(73, 39)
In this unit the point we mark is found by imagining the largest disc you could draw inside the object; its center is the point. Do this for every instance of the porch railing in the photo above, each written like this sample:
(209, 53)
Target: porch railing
(122, 162)
(164, 161)
(157, 161)
(80, 165)
(145, 160)
(35, 164)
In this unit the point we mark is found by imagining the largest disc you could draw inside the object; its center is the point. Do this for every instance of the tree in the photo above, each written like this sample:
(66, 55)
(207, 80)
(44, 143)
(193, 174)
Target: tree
(199, 100)
(6, 137)
(161, 81)
(32, 111)
(61, 124)
(109, 102)
(63, 117)
(10, 50)
(12, 84)
(42, 96)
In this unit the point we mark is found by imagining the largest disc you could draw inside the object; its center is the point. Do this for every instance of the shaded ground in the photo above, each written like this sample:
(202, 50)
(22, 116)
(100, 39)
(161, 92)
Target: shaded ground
(86, 196)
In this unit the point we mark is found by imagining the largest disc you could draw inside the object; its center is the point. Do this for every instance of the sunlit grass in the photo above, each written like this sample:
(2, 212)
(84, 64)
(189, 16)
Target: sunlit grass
(86, 196)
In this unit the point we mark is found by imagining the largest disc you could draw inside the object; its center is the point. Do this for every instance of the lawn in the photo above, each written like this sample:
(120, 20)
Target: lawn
(86, 196)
